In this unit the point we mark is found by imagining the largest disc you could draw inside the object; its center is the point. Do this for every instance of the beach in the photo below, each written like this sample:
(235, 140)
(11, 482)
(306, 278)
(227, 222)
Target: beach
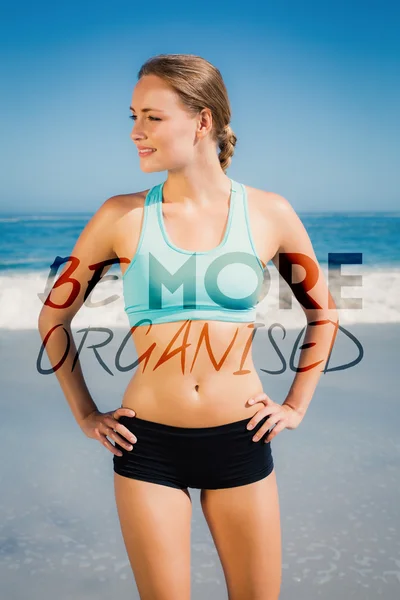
(338, 477)
(297, 105)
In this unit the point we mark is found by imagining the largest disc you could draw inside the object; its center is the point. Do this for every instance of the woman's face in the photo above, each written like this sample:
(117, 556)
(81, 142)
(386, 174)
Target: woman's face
(168, 127)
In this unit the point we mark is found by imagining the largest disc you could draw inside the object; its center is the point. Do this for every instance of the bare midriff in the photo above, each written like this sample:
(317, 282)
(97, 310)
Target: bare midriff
(193, 373)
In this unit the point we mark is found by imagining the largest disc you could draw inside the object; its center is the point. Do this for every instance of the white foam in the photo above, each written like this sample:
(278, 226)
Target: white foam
(20, 300)
(378, 292)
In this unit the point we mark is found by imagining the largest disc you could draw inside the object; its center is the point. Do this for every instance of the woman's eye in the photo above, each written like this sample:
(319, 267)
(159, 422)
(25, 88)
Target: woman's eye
(133, 117)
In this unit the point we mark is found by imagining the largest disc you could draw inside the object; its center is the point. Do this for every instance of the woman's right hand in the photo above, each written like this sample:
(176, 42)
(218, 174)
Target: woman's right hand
(98, 425)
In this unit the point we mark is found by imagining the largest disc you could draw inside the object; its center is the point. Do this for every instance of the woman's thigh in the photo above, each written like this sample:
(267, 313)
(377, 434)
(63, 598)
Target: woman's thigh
(244, 522)
(155, 522)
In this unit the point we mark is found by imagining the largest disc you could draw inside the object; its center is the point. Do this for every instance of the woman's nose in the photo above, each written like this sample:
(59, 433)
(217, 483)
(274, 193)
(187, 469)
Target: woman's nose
(135, 130)
(136, 134)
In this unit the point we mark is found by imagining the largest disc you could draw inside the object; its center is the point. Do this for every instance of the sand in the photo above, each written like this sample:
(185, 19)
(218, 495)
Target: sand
(338, 478)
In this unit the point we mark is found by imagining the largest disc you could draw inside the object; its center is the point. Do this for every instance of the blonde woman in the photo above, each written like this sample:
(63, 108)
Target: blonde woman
(192, 252)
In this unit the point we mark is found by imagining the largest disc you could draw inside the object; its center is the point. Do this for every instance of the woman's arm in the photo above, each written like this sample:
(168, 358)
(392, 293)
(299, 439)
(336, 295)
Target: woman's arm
(94, 245)
(297, 263)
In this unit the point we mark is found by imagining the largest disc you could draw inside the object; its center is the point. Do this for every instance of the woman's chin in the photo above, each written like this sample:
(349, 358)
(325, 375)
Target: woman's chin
(150, 169)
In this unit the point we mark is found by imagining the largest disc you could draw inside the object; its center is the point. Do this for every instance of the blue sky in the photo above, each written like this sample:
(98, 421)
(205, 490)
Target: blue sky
(314, 90)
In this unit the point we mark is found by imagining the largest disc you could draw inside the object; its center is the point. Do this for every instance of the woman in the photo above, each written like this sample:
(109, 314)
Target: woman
(197, 245)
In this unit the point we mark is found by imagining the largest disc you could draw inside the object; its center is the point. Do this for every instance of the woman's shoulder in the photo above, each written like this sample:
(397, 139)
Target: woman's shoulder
(122, 205)
(127, 201)
(267, 202)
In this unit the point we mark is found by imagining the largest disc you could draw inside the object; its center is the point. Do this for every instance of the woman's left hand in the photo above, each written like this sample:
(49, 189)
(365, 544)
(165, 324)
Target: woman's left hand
(281, 415)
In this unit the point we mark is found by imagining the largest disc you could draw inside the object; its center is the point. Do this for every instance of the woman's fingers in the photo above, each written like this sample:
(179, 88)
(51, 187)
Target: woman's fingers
(127, 434)
(280, 417)
(125, 439)
(118, 427)
(110, 428)
(128, 412)
(268, 410)
(101, 436)
(262, 397)
(270, 422)
(262, 412)
(255, 419)
(110, 446)
(274, 432)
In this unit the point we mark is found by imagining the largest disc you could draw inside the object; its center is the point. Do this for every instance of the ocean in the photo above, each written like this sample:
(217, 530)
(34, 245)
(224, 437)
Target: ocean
(30, 243)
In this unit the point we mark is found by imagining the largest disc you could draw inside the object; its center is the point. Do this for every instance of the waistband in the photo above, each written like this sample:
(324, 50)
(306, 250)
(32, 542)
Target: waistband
(189, 431)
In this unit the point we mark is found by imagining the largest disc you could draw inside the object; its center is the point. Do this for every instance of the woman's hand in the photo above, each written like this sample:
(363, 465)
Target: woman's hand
(281, 415)
(98, 425)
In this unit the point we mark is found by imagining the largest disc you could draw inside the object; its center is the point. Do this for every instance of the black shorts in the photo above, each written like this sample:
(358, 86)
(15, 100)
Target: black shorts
(215, 457)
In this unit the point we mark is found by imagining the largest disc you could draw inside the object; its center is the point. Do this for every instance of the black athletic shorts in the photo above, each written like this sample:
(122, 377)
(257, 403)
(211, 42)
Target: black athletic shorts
(215, 457)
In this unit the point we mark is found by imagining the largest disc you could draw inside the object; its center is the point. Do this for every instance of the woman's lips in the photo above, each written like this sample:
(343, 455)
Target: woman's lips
(146, 152)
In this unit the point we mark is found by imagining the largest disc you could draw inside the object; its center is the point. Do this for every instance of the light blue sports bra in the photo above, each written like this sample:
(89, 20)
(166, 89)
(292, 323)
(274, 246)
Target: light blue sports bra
(165, 283)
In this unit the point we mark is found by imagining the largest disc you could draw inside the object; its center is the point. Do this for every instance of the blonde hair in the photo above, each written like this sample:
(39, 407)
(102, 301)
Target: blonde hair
(199, 85)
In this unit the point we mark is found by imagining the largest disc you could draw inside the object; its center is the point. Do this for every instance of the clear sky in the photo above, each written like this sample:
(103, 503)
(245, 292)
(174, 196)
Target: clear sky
(314, 90)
